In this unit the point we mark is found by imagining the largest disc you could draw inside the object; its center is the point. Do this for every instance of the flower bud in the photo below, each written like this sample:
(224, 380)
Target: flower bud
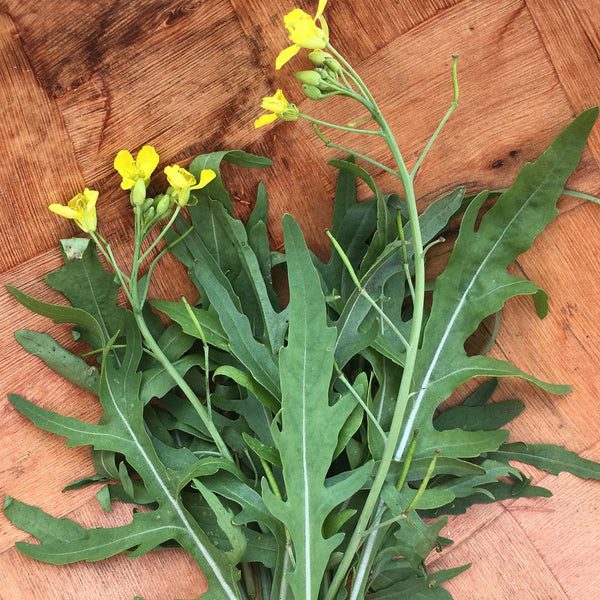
(149, 214)
(163, 204)
(332, 64)
(314, 93)
(147, 204)
(138, 192)
(309, 77)
(317, 57)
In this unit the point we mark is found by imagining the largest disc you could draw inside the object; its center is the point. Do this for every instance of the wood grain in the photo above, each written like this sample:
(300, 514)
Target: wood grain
(80, 81)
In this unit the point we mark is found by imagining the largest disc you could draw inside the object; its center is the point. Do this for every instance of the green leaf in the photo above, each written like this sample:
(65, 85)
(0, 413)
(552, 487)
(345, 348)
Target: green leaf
(61, 314)
(88, 286)
(357, 316)
(60, 360)
(255, 356)
(309, 425)
(215, 189)
(419, 587)
(268, 453)
(228, 245)
(122, 429)
(475, 284)
(211, 327)
(157, 382)
(548, 457)
(477, 418)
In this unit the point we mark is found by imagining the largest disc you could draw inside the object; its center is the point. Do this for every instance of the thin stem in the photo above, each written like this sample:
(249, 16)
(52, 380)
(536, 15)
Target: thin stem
(405, 256)
(331, 144)
(382, 524)
(363, 292)
(373, 497)
(161, 234)
(200, 331)
(249, 583)
(136, 306)
(424, 483)
(407, 460)
(443, 121)
(357, 397)
(340, 127)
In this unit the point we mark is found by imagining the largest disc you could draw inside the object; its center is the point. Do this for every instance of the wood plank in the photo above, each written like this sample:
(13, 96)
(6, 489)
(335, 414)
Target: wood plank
(38, 163)
(505, 566)
(575, 56)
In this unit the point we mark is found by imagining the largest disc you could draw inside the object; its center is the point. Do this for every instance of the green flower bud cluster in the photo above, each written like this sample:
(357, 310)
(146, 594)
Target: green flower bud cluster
(155, 209)
(323, 81)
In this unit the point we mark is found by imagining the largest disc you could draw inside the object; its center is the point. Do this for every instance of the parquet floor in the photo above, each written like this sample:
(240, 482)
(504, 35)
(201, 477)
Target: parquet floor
(81, 80)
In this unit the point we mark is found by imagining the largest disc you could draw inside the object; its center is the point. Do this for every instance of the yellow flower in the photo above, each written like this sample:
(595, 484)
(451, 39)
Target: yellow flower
(279, 107)
(183, 182)
(82, 209)
(304, 32)
(141, 168)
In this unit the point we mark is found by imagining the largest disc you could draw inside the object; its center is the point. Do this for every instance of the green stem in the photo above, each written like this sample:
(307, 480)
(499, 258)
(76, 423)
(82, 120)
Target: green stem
(363, 292)
(200, 331)
(136, 306)
(331, 144)
(424, 483)
(373, 497)
(340, 127)
(405, 255)
(443, 121)
(360, 401)
(407, 460)
(161, 234)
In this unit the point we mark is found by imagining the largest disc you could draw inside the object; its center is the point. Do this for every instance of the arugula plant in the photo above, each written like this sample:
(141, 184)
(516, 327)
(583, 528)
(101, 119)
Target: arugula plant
(296, 451)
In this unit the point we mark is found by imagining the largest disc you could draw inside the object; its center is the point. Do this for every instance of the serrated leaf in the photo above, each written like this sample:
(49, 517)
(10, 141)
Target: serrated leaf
(225, 240)
(254, 355)
(122, 430)
(88, 286)
(548, 457)
(309, 425)
(476, 284)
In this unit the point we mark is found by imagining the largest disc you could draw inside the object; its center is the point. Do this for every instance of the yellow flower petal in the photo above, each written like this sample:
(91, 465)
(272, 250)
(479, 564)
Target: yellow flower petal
(146, 161)
(276, 104)
(176, 178)
(265, 120)
(320, 8)
(285, 55)
(206, 177)
(125, 166)
(81, 208)
(64, 211)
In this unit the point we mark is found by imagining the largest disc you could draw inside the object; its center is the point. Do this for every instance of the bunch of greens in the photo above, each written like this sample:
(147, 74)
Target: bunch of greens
(297, 451)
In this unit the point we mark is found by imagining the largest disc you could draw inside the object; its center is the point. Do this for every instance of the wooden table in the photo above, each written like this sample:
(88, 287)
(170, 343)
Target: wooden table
(80, 81)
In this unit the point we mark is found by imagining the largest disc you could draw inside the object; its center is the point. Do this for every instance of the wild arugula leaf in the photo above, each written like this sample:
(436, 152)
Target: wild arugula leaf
(87, 285)
(216, 189)
(59, 359)
(476, 284)
(548, 457)
(254, 355)
(419, 587)
(122, 430)
(62, 314)
(310, 427)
